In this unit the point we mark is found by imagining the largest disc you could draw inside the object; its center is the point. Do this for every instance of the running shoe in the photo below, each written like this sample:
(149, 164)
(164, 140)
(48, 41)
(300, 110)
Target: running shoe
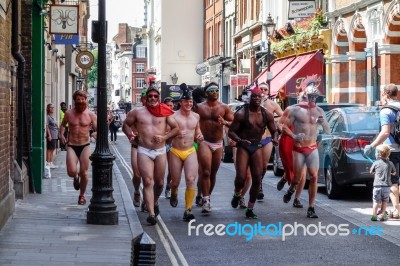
(167, 193)
(77, 184)
(81, 200)
(311, 213)
(242, 203)
(260, 195)
(206, 207)
(287, 196)
(250, 214)
(173, 200)
(152, 220)
(235, 200)
(136, 199)
(297, 203)
(281, 183)
(199, 201)
(143, 207)
(187, 215)
(156, 209)
(374, 218)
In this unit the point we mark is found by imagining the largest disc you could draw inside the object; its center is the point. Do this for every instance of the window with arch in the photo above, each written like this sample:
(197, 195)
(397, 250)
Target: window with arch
(374, 18)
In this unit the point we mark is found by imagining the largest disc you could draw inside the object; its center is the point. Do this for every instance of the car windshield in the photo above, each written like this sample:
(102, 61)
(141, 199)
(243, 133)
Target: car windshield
(363, 121)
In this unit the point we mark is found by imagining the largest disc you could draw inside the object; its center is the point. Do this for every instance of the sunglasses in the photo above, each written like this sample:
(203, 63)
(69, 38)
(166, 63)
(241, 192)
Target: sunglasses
(212, 91)
(155, 96)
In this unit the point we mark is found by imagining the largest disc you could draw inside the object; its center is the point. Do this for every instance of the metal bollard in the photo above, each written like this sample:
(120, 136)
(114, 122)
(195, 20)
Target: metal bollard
(143, 250)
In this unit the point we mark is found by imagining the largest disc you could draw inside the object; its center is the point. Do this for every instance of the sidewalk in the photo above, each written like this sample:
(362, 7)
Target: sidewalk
(51, 229)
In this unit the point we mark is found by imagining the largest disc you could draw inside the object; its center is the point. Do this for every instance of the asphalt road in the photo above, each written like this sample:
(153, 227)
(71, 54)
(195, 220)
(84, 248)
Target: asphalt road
(343, 234)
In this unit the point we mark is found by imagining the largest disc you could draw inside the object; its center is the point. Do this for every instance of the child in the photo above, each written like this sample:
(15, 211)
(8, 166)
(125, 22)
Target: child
(382, 168)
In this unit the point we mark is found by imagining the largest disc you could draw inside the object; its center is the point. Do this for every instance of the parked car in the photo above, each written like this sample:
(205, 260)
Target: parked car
(341, 150)
(277, 166)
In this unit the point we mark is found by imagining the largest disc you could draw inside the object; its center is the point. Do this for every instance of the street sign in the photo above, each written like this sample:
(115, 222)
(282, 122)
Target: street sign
(201, 69)
(85, 59)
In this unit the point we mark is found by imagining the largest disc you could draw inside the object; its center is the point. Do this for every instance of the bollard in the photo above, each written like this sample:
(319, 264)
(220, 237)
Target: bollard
(143, 250)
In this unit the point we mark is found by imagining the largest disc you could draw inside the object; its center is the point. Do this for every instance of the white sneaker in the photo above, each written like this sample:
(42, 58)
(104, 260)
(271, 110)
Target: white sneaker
(52, 166)
(206, 207)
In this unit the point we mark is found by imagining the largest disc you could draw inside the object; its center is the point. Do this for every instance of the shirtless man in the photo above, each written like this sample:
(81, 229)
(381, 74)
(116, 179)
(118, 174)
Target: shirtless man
(183, 154)
(246, 130)
(274, 108)
(214, 115)
(169, 102)
(136, 178)
(79, 120)
(305, 119)
(149, 124)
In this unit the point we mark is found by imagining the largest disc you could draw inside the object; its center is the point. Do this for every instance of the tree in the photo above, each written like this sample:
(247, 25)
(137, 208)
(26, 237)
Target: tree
(92, 75)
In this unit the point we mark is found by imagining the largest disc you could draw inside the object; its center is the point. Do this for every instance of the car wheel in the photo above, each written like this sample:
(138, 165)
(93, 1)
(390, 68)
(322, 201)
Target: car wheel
(275, 168)
(333, 190)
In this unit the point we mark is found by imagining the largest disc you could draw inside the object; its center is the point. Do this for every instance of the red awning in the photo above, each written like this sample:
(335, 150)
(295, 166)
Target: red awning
(276, 67)
(289, 79)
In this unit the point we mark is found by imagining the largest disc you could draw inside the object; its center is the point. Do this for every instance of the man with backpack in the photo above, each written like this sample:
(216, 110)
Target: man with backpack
(389, 134)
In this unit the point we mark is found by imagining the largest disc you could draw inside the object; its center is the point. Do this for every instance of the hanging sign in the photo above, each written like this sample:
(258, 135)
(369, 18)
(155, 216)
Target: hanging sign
(66, 39)
(301, 9)
(85, 59)
(64, 19)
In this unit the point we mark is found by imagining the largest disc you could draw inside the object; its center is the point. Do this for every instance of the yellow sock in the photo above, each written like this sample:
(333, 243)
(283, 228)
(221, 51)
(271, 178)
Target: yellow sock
(189, 196)
(174, 192)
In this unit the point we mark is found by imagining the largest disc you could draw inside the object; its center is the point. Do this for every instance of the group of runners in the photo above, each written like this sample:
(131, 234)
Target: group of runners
(191, 139)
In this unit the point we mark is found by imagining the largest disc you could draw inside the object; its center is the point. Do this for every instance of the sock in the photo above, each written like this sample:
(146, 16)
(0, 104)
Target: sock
(189, 196)
(250, 205)
(206, 199)
(174, 192)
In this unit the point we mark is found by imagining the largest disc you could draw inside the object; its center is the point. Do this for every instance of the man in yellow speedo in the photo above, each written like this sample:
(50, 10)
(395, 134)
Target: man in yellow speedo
(183, 154)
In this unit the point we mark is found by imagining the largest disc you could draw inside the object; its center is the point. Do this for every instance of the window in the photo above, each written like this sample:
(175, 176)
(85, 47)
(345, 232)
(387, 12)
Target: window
(140, 52)
(139, 83)
(116, 92)
(137, 97)
(140, 68)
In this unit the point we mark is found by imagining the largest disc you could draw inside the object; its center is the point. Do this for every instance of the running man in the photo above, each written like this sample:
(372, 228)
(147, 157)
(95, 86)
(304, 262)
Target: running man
(149, 124)
(246, 130)
(305, 119)
(183, 153)
(214, 115)
(79, 120)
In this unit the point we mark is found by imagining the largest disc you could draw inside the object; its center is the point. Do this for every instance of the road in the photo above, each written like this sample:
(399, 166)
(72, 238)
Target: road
(342, 235)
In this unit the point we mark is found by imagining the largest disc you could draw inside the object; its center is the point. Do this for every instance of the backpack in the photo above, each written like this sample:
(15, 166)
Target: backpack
(395, 130)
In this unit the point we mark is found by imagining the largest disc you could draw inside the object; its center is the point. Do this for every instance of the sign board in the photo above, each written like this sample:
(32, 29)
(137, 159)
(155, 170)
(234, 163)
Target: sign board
(234, 81)
(201, 69)
(243, 79)
(85, 59)
(64, 19)
(301, 9)
(66, 39)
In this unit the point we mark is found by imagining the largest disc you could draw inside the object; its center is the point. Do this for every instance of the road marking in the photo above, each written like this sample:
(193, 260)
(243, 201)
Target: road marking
(164, 241)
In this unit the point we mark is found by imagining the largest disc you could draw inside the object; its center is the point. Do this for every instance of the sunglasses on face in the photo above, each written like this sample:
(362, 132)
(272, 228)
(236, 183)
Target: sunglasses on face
(212, 91)
(155, 96)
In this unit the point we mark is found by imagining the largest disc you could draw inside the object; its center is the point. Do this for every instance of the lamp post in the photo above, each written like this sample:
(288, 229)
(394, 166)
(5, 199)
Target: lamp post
(270, 25)
(102, 209)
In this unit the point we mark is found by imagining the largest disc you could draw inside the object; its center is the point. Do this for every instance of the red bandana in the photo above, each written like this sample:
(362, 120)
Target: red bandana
(161, 110)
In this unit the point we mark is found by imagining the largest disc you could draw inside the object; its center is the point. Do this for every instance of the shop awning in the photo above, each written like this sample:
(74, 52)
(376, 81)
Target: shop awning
(289, 79)
(276, 67)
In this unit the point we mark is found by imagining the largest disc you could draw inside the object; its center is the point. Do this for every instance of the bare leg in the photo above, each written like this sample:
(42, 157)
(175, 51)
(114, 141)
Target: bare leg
(394, 197)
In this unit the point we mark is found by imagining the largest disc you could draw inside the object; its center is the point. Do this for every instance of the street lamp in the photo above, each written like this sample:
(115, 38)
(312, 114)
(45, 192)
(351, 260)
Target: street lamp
(270, 25)
(102, 209)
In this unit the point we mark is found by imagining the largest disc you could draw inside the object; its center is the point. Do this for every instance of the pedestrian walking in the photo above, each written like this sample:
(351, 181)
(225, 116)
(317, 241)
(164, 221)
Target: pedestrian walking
(382, 169)
(387, 117)
(51, 136)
